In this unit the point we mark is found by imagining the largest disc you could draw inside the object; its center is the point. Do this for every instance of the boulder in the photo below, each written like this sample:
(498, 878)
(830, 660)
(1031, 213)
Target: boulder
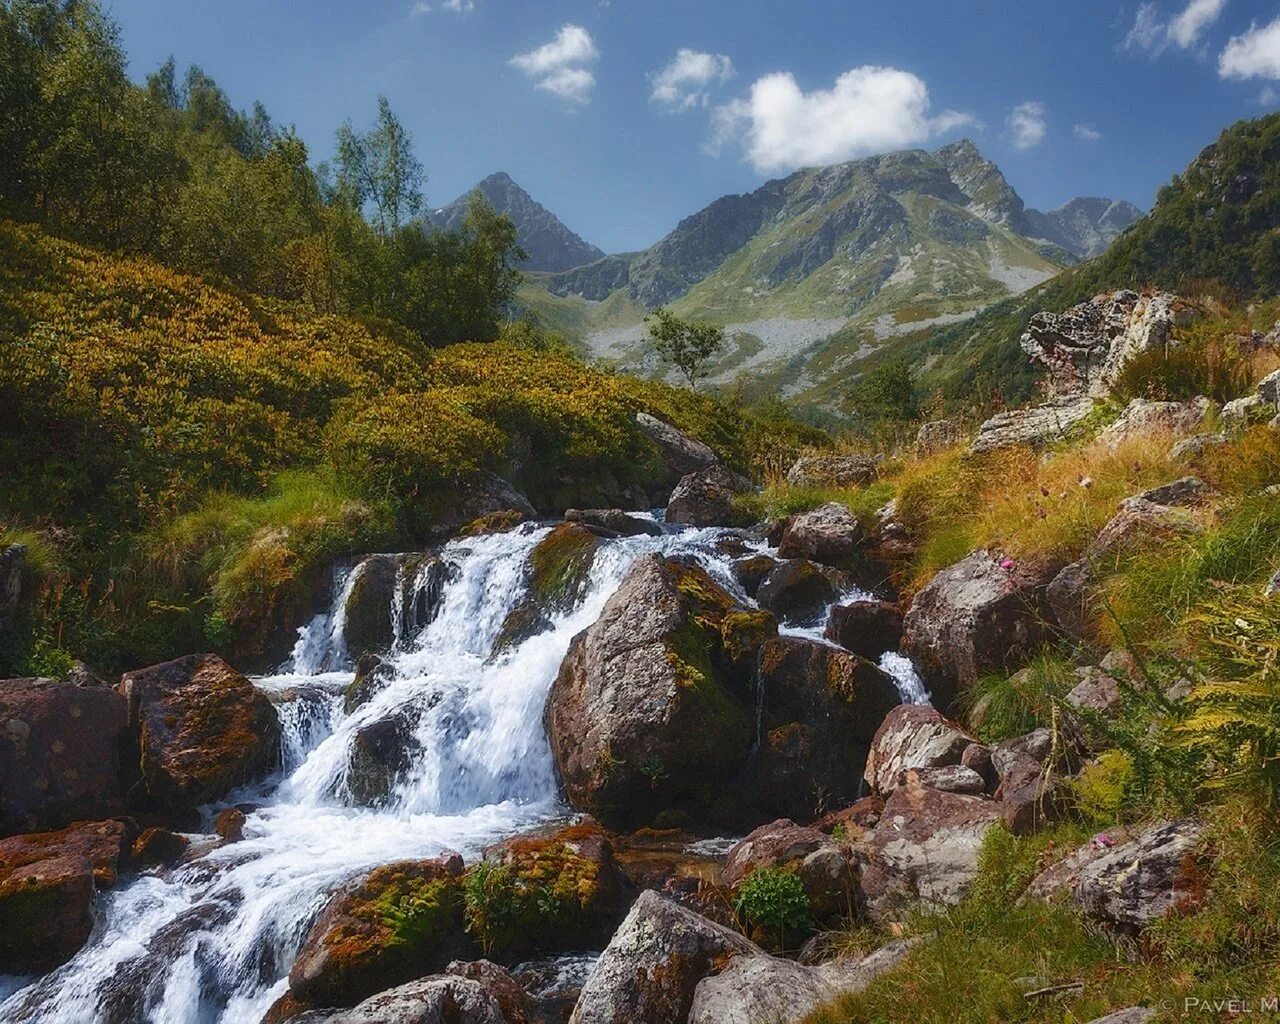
(1031, 791)
(1098, 691)
(1069, 595)
(47, 882)
(229, 825)
(557, 575)
(1187, 492)
(477, 497)
(1086, 349)
(826, 868)
(1237, 413)
(652, 966)
(951, 778)
(752, 571)
(755, 989)
(1191, 448)
(678, 453)
(514, 1002)
(60, 754)
(981, 615)
(202, 729)
(397, 923)
(380, 757)
(439, 999)
(1132, 1015)
(830, 534)
(650, 709)
(1035, 427)
(705, 497)
(913, 736)
(1143, 879)
(1138, 522)
(1143, 416)
(820, 708)
(834, 471)
(371, 676)
(613, 522)
(925, 848)
(559, 891)
(798, 592)
(937, 435)
(855, 819)
(159, 847)
(867, 628)
(1269, 388)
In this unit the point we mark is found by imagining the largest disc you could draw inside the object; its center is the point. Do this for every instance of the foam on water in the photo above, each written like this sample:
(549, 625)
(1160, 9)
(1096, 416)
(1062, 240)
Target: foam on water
(212, 940)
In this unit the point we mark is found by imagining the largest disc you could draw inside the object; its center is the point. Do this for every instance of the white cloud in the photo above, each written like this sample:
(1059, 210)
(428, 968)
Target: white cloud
(559, 66)
(1086, 133)
(1026, 124)
(456, 6)
(1151, 32)
(1252, 54)
(1268, 97)
(684, 83)
(868, 110)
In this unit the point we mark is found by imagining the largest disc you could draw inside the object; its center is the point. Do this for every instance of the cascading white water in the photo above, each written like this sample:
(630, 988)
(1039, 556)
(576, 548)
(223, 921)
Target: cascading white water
(212, 940)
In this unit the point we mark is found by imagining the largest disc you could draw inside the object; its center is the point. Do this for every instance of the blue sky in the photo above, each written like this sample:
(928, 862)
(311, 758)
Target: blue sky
(569, 96)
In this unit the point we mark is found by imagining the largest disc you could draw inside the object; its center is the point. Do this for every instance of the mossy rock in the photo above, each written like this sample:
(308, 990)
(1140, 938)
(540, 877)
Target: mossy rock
(558, 573)
(400, 922)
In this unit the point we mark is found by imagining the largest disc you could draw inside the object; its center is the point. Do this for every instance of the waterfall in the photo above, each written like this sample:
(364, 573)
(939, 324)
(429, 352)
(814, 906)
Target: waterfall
(212, 940)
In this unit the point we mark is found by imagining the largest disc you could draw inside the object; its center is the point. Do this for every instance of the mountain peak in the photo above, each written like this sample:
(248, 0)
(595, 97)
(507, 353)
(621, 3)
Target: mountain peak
(550, 244)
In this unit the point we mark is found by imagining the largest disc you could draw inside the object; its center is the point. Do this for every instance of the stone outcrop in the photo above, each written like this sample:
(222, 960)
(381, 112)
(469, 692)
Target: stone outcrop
(60, 754)
(450, 998)
(829, 534)
(650, 707)
(202, 729)
(1034, 427)
(867, 628)
(418, 578)
(678, 453)
(613, 522)
(913, 736)
(705, 497)
(357, 947)
(651, 968)
(1086, 349)
(1142, 416)
(981, 615)
(834, 471)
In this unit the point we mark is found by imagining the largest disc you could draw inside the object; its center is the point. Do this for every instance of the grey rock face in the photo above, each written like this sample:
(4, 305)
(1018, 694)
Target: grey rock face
(833, 471)
(798, 592)
(680, 453)
(935, 436)
(441, 999)
(1085, 226)
(1035, 427)
(912, 736)
(829, 534)
(1141, 880)
(1133, 1015)
(651, 968)
(1269, 388)
(1191, 448)
(613, 522)
(1144, 417)
(973, 618)
(1187, 492)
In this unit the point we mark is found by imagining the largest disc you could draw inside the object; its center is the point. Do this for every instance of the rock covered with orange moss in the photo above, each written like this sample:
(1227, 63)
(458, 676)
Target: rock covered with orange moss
(399, 922)
(202, 729)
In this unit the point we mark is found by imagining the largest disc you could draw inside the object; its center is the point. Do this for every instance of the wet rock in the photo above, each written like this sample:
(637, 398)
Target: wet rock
(820, 708)
(1086, 348)
(751, 572)
(202, 730)
(973, 618)
(705, 497)
(913, 736)
(229, 825)
(826, 868)
(867, 628)
(834, 471)
(1143, 879)
(372, 675)
(1143, 416)
(678, 453)
(413, 582)
(650, 708)
(559, 891)
(752, 989)
(104, 844)
(381, 754)
(60, 754)
(478, 496)
(159, 847)
(397, 923)
(925, 849)
(798, 592)
(1034, 427)
(558, 571)
(652, 966)
(937, 435)
(1191, 448)
(830, 535)
(46, 913)
(617, 522)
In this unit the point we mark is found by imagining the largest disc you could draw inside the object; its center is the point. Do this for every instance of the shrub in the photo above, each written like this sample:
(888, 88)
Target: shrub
(1182, 372)
(775, 900)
